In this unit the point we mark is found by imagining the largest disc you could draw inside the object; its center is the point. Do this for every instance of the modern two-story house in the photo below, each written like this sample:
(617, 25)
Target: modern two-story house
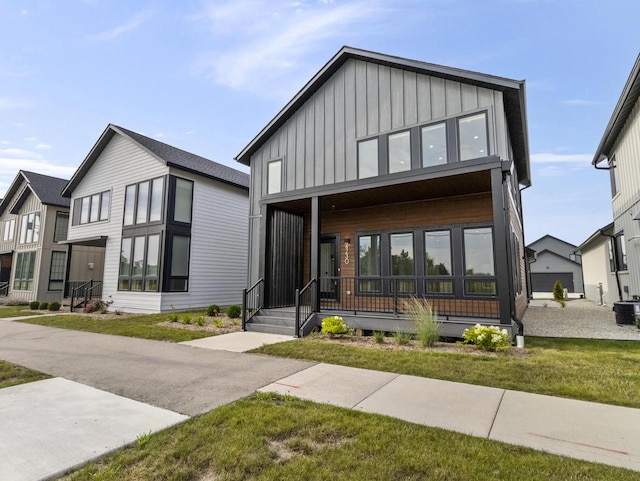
(33, 220)
(619, 153)
(173, 225)
(386, 178)
(555, 260)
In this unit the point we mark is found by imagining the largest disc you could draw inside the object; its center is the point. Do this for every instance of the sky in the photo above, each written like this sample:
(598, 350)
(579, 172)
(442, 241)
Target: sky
(206, 76)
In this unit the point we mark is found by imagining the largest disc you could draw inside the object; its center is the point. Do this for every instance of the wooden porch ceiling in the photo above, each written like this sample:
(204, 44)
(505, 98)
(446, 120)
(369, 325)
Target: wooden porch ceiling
(458, 185)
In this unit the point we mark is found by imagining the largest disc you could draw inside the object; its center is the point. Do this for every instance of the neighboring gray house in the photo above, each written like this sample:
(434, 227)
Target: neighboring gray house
(556, 260)
(33, 257)
(619, 153)
(599, 268)
(173, 225)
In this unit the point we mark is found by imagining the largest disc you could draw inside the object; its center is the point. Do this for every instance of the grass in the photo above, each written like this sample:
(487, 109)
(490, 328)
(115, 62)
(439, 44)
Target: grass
(12, 375)
(16, 311)
(143, 326)
(269, 437)
(590, 370)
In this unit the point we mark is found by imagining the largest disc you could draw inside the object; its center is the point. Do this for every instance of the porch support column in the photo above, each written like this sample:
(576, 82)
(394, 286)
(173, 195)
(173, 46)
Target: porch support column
(315, 247)
(501, 245)
(262, 253)
(67, 271)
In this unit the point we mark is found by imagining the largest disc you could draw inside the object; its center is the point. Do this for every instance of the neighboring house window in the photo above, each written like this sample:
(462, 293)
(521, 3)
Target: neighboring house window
(434, 144)
(614, 176)
(472, 137)
(367, 158)
(183, 201)
(437, 257)
(25, 262)
(56, 272)
(402, 262)
(612, 257)
(30, 228)
(369, 263)
(139, 263)
(400, 152)
(92, 208)
(9, 229)
(620, 253)
(179, 274)
(517, 268)
(478, 260)
(61, 227)
(274, 177)
(143, 202)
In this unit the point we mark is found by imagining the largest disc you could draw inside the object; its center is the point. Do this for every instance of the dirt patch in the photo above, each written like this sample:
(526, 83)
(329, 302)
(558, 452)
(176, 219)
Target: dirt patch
(295, 446)
(390, 344)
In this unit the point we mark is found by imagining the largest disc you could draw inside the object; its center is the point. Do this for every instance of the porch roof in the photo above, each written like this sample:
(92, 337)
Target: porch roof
(95, 241)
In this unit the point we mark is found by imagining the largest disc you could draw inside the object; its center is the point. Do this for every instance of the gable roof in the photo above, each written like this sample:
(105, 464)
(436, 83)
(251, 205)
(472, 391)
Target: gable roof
(513, 92)
(628, 98)
(167, 154)
(556, 255)
(605, 231)
(46, 188)
(550, 237)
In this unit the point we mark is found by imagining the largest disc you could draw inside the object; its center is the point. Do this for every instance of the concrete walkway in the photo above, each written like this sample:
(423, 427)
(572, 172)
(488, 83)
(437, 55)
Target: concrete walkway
(143, 386)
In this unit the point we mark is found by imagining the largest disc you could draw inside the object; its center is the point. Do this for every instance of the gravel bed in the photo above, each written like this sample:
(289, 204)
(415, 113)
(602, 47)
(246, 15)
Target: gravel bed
(579, 319)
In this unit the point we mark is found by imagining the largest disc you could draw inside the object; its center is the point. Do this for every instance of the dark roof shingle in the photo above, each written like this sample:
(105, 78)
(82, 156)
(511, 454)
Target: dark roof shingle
(47, 188)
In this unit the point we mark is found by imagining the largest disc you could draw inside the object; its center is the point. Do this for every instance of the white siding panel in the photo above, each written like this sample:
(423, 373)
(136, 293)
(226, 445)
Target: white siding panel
(410, 98)
(372, 98)
(397, 98)
(361, 98)
(424, 98)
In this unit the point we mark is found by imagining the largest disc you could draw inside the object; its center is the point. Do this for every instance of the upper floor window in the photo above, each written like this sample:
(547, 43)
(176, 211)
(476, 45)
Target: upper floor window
(183, 200)
(472, 137)
(143, 202)
(9, 229)
(56, 270)
(61, 227)
(620, 253)
(614, 176)
(434, 144)
(30, 228)
(400, 152)
(274, 177)
(92, 208)
(367, 158)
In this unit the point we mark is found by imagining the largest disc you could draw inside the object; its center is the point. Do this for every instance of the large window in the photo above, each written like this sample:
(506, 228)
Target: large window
(179, 274)
(30, 228)
(56, 272)
(183, 200)
(621, 253)
(367, 158)
(400, 152)
(274, 177)
(369, 263)
(434, 144)
(143, 202)
(472, 137)
(92, 208)
(9, 229)
(25, 262)
(402, 262)
(437, 258)
(478, 260)
(139, 263)
(61, 227)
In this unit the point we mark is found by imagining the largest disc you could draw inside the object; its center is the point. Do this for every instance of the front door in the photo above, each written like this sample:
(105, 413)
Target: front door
(329, 270)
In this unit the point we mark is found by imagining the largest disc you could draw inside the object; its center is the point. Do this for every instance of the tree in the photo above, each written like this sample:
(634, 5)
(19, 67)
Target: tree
(558, 291)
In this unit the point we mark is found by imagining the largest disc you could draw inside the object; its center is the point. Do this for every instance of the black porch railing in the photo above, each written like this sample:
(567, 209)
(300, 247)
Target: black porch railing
(4, 288)
(252, 301)
(449, 296)
(84, 291)
(305, 304)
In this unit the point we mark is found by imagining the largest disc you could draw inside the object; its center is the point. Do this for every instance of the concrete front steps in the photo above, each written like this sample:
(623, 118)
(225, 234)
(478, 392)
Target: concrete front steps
(274, 321)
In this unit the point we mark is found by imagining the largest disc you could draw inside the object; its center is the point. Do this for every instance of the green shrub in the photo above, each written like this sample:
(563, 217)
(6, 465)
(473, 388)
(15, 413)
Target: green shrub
(34, 305)
(425, 320)
(213, 310)
(402, 338)
(173, 317)
(558, 291)
(333, 325)
(186, 319)
(43, 306)
(200, 321)
(233, 311)
(218, 323)
(54, 306)
(488, 338)
(378, 336)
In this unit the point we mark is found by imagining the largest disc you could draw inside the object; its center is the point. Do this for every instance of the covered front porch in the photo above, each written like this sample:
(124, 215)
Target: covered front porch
(363, 253)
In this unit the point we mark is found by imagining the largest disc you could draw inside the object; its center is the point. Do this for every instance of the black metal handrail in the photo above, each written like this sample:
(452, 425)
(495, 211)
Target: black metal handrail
(305, 304)
(450, 296)
(74, 293)
(4, 288)
(252, 301)
(92, 291)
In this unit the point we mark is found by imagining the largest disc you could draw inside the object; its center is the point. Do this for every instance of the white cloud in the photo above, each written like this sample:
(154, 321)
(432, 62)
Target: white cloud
(9, 168)
(554, 158)
(159, 135)
(276, 37)
(43, 146)
(132, 24)
(18, 153)
(579, 102)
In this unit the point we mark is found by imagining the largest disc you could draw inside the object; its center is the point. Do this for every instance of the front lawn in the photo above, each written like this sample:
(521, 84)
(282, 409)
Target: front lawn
(269, 437)
(17, 311)
(144, 326)
(12, 375)
(590, 370)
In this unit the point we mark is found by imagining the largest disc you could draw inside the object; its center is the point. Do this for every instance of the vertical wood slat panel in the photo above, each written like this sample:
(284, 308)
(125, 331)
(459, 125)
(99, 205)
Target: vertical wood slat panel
(499, 128)
(410, 98)
(397, 101)
(329, 138)
(469, 97)
(438, 106)
(340, 130)
(372, 99)
(384, 95)
(319, 139)
(309, 148)
(453, 97)
(291, 156)
(300, 132)
(423, 93)
(351, 157)
(361, 98)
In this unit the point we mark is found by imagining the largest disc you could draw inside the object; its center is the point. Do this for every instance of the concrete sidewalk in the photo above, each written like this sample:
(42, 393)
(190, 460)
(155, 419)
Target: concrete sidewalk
(593, 432)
